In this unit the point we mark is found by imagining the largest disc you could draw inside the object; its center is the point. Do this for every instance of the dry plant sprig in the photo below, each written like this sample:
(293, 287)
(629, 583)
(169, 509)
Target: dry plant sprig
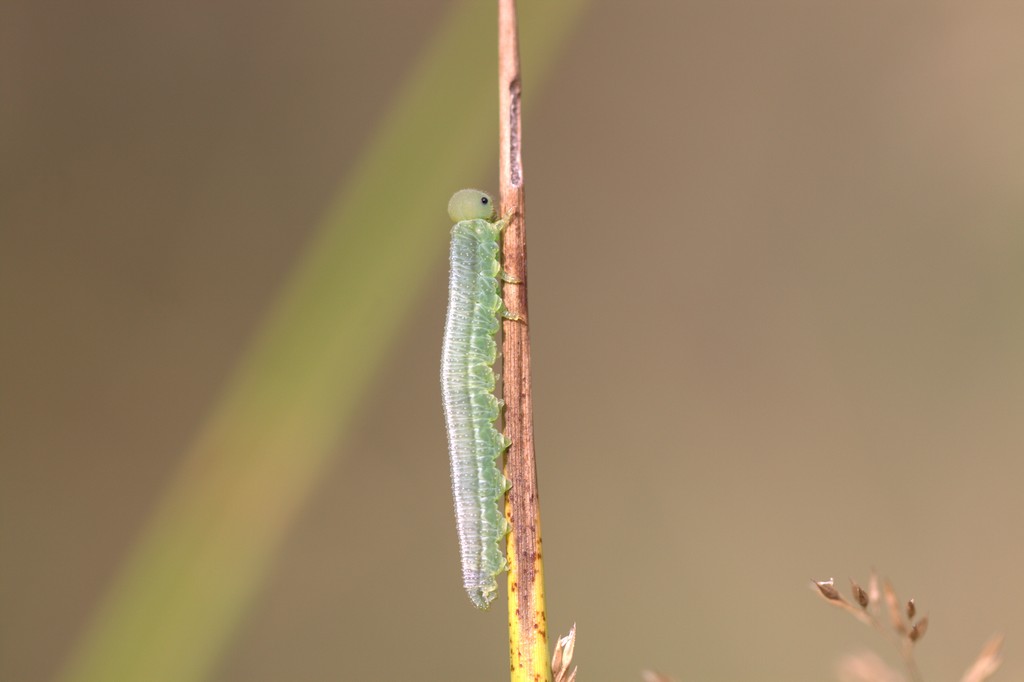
(903, 633)
(562, 658)
(988, 661)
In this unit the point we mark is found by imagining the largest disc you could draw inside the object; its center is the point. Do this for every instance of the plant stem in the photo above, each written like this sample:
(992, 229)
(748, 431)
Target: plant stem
(527, 620)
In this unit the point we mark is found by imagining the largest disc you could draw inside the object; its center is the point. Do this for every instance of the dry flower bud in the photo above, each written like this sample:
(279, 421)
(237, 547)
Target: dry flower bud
(893, 607)
(911, 610)
(917, 632)
(987, 663)
(828, 589)
(829, 593)
(873, 592)
(562, 658)
(859, 595)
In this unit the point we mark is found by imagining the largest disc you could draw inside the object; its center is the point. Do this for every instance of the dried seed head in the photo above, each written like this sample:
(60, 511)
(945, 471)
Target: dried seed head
(828, 589)
(562, 658)
(828, 592)
(917, 632)
(859, 595)
(911, 610)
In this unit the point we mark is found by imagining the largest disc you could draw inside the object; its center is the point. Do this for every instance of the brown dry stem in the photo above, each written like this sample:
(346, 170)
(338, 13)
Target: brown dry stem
(527, 618)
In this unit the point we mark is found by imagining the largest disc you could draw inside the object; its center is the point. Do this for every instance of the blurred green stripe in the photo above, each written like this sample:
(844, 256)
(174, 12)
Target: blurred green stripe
(204, 555)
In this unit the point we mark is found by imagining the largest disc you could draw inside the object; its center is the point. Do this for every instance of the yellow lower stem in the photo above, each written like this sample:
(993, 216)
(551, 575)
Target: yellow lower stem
(527, 617)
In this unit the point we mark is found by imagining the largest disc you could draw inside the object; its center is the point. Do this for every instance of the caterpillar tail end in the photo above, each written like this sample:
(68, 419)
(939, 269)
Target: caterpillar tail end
(482, 596)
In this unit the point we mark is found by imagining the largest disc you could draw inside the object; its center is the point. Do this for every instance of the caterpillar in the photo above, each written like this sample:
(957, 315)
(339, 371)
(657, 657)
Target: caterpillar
(467, 389)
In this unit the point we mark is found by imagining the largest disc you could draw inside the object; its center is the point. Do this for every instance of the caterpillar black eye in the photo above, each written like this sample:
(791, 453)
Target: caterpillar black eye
(467, 390)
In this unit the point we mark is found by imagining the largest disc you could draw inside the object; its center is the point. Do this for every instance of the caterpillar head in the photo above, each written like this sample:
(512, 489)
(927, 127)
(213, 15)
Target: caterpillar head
(471, 204)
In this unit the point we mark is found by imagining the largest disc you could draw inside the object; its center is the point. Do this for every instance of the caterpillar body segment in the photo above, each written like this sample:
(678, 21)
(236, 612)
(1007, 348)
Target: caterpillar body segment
(468, 354)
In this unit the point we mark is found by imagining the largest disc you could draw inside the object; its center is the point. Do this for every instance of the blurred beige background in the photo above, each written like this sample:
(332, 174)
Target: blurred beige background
(776, 266)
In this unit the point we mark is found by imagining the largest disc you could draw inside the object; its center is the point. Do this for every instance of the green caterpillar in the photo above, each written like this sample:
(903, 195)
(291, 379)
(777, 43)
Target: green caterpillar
(467, 389)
